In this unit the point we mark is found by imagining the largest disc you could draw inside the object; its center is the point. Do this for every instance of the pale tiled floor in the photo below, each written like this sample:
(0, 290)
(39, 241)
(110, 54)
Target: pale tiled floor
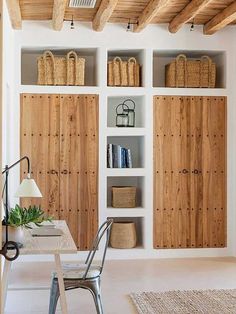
(119, 279)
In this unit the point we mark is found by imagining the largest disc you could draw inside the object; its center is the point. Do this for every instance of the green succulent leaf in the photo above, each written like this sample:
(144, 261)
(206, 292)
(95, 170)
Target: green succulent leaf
(22, 216)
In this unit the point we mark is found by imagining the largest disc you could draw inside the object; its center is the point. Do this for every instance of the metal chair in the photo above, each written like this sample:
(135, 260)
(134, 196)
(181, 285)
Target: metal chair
(85, 276)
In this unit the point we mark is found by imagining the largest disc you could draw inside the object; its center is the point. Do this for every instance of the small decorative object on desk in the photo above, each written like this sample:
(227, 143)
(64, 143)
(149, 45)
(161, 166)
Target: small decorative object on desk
(123, 235)
(123, 73)
(183, 72)
(20, 218)
(57, 70)
(124, 196)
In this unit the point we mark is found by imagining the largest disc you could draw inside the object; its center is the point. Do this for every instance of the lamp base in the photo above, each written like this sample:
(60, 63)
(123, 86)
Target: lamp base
(10, 247)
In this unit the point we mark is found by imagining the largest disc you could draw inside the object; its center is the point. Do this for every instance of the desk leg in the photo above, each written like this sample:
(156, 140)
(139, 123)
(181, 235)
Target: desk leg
(61, 284)
(5, 275)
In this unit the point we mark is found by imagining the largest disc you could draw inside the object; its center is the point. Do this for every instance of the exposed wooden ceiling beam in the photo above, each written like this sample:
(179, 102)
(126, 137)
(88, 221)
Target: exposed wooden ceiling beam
(187, 14)
(222, 19)
(58, 14)
(14, 13)
(151, 10)
(103, 14)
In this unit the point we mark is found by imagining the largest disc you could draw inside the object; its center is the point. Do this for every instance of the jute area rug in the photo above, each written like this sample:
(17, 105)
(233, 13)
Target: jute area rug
(186, 302)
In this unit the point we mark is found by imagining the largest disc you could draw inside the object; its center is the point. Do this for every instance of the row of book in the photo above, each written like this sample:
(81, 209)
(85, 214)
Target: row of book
(118, 157)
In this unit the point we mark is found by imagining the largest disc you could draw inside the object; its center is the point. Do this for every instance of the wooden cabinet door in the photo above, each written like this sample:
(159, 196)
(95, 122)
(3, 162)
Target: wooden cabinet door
(182, 146)
(79, 166)
(59, 133)
(39, 132)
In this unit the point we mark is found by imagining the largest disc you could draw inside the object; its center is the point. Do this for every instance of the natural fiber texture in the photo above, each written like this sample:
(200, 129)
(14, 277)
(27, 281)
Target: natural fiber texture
(183, 72)
(123, 235)
(186, 302)
(123, 196)
(123, 73)
(67, 70)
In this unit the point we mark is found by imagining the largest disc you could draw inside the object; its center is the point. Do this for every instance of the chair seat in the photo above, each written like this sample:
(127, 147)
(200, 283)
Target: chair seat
(76, 271)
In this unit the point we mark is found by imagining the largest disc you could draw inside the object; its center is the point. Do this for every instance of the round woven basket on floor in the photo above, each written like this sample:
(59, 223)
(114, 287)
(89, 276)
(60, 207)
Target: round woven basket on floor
(123, 235)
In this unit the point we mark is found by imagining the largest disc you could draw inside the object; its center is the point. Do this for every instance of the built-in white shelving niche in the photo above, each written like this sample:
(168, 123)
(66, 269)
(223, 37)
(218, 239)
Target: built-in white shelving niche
(138, 182)
(135, 144)
(29, 63)
(139, 225)
(113, 102)
(163, 57)
(125, 55)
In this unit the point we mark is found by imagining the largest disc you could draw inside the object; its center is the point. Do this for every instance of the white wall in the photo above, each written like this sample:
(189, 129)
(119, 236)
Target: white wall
(40, 34)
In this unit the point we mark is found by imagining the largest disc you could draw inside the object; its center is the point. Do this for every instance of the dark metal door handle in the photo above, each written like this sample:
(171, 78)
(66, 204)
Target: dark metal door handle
(184, 171)
(195, 171)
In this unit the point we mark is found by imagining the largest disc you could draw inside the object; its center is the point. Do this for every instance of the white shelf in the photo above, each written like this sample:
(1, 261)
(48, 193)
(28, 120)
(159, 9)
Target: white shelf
(123, 172)
(122, 91)
(190, 91)
(59, 89)
(125, 131)
(126, 212)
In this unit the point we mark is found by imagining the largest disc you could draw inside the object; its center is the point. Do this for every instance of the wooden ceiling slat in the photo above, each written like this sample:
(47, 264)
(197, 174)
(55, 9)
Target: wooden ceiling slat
(222, 19)
(103, 14)
(14, 13)
(152, 9)
(187, 14)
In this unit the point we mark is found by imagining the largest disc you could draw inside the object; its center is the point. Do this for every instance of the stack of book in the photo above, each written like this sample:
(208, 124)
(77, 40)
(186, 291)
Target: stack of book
(118, 157)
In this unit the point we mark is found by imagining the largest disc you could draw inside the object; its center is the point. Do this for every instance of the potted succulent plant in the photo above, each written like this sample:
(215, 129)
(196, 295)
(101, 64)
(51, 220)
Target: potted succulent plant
(22, 217)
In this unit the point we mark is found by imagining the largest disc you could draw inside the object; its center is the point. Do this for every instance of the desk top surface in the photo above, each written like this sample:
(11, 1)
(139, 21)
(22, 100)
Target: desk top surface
(63, 244)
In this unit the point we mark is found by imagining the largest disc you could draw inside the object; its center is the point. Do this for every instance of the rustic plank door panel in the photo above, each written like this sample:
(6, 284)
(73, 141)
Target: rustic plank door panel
(40, 142)
(59, 133)
(189, 158)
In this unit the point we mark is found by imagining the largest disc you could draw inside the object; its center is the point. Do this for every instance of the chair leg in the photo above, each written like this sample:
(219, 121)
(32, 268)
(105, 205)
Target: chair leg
(95, 289)
(54, 295)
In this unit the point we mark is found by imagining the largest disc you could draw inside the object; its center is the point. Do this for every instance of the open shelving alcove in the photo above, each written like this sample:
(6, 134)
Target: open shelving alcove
(29, 63)
(163, 57)
(113, 102)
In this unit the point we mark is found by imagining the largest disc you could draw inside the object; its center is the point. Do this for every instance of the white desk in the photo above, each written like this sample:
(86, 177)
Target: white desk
(46, 245)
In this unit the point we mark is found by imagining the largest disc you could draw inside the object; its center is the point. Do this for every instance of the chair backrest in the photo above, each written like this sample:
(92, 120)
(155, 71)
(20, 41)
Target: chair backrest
(104, 230)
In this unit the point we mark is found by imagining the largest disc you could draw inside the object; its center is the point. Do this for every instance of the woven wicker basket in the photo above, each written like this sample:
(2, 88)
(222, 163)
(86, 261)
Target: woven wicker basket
(67, 70)
(123, 235)
(123, 73)
(123, 196)
(191, 73)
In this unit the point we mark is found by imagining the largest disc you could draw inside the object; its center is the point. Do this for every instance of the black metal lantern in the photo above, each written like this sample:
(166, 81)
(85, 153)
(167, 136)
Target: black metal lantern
(130, 110)
(122, 118)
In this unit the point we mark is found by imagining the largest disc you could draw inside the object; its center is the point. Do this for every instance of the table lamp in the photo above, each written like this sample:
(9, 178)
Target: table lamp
(27, 188)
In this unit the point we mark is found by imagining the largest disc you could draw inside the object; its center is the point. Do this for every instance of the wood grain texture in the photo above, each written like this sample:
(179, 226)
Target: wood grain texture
(14, 11)
(103, 14)
(189, 168)
(151, 10)
(187, 14)
(225, 17)
(59, 133)
(58, 14)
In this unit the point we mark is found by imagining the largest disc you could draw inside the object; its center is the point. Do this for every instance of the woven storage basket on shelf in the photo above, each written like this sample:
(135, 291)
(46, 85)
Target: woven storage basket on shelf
(123, 235)
(123, 196)
(67, 70)
(123, 73)
(190, 73)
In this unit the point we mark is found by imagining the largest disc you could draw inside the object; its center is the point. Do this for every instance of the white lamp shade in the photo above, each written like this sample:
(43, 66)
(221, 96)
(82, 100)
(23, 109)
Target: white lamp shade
(28, 188)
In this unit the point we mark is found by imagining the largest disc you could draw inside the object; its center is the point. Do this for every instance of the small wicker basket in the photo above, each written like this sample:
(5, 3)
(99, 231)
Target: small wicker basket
(123, 73)
(191, 73)
(67, 70)
(123, 196)
(123, 235)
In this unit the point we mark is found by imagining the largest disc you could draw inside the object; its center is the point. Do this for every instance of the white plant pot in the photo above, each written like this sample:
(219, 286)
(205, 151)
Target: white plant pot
(15, 234)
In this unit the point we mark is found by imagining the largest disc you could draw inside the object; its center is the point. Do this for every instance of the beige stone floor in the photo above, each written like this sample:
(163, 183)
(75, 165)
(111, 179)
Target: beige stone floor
(118, 280)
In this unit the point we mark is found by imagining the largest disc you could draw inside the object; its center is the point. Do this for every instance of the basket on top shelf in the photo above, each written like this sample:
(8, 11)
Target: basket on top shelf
(123, 73)
(123, 196)
(68, 70)
(183, 72)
